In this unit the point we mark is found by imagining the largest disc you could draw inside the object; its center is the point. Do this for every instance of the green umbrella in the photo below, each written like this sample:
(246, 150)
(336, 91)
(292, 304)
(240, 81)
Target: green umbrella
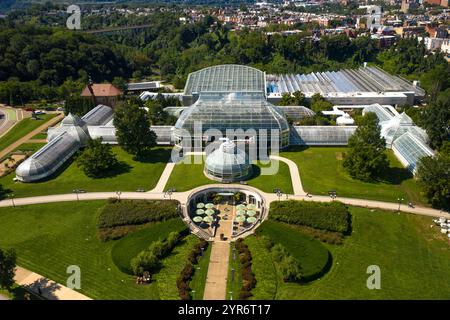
(199, 212)
(240, 207)
(208, 219)
(240, 212)
(251, 206)
(251, 219)
(240, 219)
(209, 206)
(200, 205)
(209, 212)
(198, 219)
(251, 213)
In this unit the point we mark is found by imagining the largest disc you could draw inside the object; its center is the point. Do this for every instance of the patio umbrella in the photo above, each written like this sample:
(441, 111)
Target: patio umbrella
(208, 219)
(251, 213)
(209, 212)
(251, 206)
(251, 219)
(240, 207)
(240, 212)
(199, 212)
(200, 205)
(198, 219)
(240, 219)
(209, 206)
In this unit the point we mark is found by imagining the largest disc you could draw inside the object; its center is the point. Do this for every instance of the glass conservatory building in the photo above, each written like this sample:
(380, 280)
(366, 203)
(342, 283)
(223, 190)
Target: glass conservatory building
(229, 102)
(227, 164)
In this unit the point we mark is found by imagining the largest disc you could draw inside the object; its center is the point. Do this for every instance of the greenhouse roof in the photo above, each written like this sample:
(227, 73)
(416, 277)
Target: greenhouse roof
(226, 78)
(410, 150)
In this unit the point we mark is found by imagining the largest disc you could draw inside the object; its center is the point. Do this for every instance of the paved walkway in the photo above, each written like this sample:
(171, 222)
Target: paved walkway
(216, 279)
(48, 289)
(31, 134)
(295, 175)
(164, 178)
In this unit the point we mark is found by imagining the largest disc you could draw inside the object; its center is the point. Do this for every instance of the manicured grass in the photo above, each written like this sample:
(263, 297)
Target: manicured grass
(29, 147)
(40, 135)
(234, 285)
(414, 260)
(125, 249)
(188, 176)
(131, 176)
(18, 293)
(166, 278)
(321, 170)
(198, 281)
(264, 269)
(22, 128)
(50, 237)
(312, 255)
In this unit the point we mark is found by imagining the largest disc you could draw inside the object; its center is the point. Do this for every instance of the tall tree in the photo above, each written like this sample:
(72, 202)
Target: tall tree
(133, 128)
(7, 268)
(433, 174)
(436, 120)
(97, 159)
(366, 158)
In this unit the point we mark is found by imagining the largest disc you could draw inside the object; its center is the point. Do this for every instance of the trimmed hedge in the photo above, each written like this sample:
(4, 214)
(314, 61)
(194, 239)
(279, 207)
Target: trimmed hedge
(248, 277)
(188, 271)
(133, 212)
(332, 216)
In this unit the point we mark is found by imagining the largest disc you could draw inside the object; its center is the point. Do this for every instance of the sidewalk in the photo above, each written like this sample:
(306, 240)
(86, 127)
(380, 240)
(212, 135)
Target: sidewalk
(48, 288)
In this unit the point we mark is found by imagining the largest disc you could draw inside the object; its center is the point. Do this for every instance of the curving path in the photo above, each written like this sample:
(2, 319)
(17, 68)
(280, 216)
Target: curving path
(295, 175)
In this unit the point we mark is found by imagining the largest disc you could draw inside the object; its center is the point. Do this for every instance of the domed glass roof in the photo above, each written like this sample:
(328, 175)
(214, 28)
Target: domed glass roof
(241, 111)
(228, 163)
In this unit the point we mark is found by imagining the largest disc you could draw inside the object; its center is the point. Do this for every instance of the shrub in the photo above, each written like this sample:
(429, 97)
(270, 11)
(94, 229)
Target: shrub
(290, 269)
(333, 216)
(248, 277)
(134, 212)
(149, 259)
(188, 271)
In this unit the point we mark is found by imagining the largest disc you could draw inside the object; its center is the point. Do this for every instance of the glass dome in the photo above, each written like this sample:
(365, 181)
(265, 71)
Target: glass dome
(238, 115)
(227, 164)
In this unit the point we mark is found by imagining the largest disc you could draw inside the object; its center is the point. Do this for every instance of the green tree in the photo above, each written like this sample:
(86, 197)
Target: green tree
(7, 268)
(133, 128)
(97, 159)
(433, 174)
(436, 120)
(366, 158)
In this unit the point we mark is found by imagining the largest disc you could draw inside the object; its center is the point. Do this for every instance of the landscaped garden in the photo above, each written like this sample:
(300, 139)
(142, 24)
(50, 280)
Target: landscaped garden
(188, 176)
(413, 258)
(129, 176)
(22, 128)
(321, 170)
(50, 237)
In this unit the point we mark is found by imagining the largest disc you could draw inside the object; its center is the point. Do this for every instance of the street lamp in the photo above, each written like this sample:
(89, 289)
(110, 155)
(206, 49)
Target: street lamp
(11, 196)
(232, 274)
(278, 192)
(169, 193)
(76, 191)
(118, 194)
(193, 294)
(399, 203)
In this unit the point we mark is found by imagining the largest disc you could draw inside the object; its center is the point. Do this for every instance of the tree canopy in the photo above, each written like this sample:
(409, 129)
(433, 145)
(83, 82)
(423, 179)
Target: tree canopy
(133, 128)
(7, 268)
(97, 159)
(366, 158)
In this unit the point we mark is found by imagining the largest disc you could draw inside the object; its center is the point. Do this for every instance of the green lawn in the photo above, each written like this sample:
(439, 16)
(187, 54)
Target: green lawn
(166, 279)
(50, 237)
(414, 260)
(128, 247)
(234, 285)
(22, 128)
(41, 135)
(321, 170)
(29, 147)
(131, 176)
(188, 176)
(198, 281)
(311, 254)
